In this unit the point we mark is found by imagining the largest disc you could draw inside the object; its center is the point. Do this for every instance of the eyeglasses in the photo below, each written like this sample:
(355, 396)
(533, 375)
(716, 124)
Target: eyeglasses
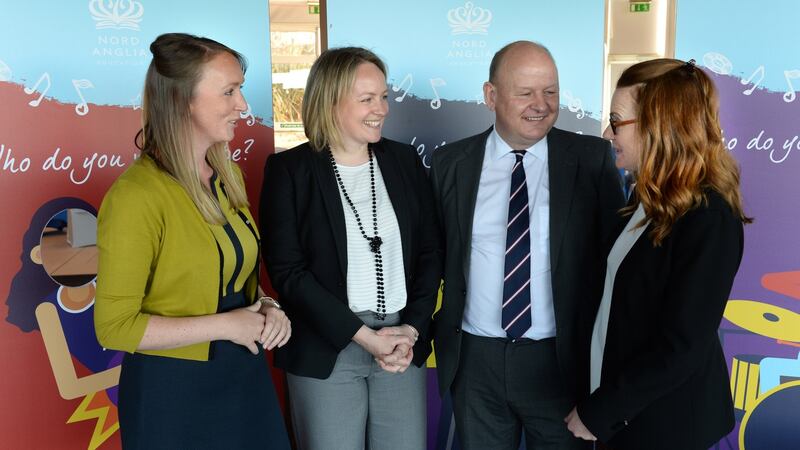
(619, 123)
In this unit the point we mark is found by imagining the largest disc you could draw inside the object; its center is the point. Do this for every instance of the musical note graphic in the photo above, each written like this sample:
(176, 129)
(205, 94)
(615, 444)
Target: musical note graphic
(45, 77)
(248, 114)
(397, 88)
(82, 108)
(760, 72)
(436, 103)
(136, 102)
(790, 75)
(574, 104)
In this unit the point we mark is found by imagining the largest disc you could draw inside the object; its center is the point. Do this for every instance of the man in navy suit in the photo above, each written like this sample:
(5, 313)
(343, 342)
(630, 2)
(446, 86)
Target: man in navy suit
(527, 210)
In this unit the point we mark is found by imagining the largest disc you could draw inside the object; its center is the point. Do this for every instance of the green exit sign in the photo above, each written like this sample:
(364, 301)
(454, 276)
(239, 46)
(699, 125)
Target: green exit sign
(640, 7)
(313, 9)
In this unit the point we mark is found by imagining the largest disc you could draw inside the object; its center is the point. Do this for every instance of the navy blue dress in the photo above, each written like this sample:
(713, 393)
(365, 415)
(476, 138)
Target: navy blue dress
(227, 402)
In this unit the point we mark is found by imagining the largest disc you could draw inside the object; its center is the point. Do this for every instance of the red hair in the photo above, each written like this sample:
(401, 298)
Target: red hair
(683, 154)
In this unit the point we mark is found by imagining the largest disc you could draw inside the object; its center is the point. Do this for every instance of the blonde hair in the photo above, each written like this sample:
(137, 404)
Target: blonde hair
(329, 80)
(682, 149)
(165, 136)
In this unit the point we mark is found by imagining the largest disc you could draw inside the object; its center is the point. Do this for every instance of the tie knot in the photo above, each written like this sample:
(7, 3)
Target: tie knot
(519, 154)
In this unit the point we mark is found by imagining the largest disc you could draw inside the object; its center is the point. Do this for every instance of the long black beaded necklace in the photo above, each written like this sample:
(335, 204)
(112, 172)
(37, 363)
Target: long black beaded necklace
(375, 241)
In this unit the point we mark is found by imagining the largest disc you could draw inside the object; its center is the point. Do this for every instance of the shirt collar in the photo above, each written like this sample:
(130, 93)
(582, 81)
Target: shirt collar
(499, 148)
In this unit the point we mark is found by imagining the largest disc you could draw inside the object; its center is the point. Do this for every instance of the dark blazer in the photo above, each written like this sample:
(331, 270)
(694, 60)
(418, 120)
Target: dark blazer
(585, 193)
(305, 251)
(664, 382)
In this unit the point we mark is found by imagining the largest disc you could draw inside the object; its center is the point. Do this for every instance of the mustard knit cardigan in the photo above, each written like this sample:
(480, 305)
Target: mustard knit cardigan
(165, 260)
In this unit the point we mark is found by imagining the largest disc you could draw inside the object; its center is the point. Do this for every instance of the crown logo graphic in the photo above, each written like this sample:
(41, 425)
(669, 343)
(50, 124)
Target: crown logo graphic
(117, 14)
(469, 19)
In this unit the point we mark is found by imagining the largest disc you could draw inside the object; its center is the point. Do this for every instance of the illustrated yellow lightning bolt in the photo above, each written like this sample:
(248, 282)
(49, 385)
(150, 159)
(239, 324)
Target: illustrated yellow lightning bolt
(97, 406)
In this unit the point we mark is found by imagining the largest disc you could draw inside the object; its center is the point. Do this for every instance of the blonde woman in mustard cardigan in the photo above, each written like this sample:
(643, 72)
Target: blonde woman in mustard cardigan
(178, 271)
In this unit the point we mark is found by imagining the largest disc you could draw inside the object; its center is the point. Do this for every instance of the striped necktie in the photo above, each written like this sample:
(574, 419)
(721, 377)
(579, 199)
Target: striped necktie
(517, 281)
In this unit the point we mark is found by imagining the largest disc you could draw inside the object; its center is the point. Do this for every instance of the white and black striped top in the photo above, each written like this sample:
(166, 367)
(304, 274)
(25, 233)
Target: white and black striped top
(361, 285)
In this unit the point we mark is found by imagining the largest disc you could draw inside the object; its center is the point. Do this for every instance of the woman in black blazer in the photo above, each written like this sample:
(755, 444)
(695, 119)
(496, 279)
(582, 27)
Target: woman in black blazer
(659, 378)
(352, 248)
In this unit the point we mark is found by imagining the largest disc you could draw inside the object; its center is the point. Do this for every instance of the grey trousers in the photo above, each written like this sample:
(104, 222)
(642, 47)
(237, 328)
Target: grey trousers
(360, 405)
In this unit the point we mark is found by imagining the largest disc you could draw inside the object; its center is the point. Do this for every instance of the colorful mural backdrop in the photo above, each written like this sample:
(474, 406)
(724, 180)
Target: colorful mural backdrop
(751, 52)
(436, 72)
(71, 74)
(438, 56)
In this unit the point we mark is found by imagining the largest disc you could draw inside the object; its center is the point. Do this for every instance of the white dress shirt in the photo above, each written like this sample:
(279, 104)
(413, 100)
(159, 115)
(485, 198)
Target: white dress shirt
(483, 311)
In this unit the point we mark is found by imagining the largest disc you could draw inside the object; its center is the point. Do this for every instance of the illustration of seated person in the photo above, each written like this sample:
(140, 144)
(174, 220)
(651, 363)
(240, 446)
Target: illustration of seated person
(63, 313)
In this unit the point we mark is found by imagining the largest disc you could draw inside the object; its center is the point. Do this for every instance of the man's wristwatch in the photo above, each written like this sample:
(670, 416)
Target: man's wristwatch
(270, 302)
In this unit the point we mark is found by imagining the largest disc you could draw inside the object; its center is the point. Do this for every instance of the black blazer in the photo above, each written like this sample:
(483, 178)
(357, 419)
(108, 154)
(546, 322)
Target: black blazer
(305, 251)
(585, 194)
(664, 382)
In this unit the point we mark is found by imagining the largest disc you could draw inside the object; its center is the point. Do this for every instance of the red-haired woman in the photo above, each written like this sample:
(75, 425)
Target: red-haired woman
(658, 374)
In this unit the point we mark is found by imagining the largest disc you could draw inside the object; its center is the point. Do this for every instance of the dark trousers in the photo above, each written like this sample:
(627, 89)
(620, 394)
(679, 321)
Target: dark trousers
(503, 388)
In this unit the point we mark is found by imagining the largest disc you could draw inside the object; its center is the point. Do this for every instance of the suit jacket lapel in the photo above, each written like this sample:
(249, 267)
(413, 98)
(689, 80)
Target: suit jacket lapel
(562, 167)
(321, 166)
(395, 186)
(468, 175)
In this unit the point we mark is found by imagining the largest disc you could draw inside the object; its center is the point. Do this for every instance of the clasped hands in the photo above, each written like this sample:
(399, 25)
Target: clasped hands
(260, 324)
(392, 347)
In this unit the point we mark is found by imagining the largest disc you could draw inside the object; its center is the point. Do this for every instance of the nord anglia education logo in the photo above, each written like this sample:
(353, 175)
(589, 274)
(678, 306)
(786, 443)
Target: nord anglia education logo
(117, 40)
(116, 14)
(468, 26)
(469, 19)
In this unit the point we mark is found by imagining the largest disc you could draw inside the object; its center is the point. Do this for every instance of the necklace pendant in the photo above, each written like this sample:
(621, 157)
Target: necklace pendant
(375, 244)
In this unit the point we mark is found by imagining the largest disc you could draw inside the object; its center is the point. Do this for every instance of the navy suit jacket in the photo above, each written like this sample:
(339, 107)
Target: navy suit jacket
(585, 194)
